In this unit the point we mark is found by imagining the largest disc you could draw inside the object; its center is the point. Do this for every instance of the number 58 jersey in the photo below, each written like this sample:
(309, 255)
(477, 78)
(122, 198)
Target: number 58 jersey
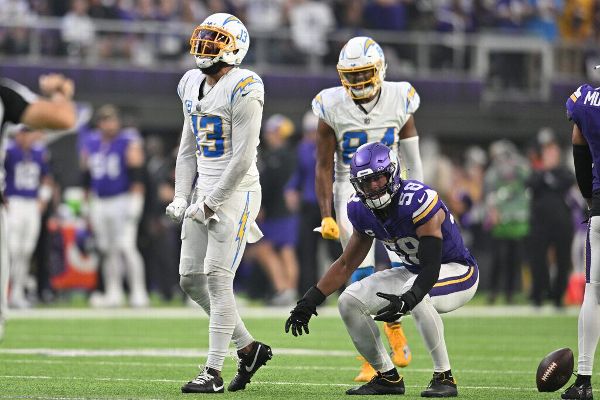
(354, 127)
(412, 206)
(209, 117)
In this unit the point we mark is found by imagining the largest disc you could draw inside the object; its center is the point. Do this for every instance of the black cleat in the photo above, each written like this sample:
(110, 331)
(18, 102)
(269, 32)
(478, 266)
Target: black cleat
(208, 381)
(440, 386)
(248, 364)
(578, 392)
(379, 385)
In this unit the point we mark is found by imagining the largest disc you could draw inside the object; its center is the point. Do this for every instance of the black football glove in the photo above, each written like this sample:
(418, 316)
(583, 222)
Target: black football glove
(399, 306)
(304, 310)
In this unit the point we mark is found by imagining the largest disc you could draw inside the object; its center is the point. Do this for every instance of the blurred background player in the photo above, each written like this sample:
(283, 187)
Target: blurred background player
(583, 111)
(438, 275)
(276, 252)
(222, 109)
(112, 159)
(28, 190)
(19, 105)
(365, 108)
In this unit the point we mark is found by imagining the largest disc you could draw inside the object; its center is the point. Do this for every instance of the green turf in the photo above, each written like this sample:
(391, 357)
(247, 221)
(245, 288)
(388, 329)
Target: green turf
(492, 358)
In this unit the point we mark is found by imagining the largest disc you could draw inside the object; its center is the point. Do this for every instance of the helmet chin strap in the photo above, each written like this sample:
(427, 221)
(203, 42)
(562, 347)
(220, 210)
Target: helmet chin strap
(215, 68)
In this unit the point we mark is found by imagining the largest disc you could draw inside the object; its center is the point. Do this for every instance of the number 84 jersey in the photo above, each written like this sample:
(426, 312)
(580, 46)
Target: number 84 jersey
(209, 117)
(412, 206)
(353, 127)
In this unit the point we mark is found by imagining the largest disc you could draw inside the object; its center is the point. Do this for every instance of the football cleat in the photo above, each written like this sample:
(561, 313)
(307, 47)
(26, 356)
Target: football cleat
(367, 372)
(208, 381)
(578, 392)
(248, 364)
(379, 385)
(401, 355)
(440, 386)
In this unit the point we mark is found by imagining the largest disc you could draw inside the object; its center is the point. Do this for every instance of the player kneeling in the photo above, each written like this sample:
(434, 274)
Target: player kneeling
(440, 274)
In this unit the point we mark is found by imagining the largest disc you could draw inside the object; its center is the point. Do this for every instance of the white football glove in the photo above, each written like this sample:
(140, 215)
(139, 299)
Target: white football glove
(176, 209)
(196, 212)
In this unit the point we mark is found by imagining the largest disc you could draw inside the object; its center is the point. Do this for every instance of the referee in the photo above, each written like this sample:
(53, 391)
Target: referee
(18, 105)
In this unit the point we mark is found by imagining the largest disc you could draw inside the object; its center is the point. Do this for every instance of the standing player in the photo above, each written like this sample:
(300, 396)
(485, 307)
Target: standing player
(28, 190)
(113, 162)
(364, 109)
(583, 109)
(19, 105)
(222, 109)
(438, 274)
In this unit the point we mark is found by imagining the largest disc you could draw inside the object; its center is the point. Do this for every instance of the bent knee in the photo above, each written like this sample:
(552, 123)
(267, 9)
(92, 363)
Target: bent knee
(193, 285)
(348, 304)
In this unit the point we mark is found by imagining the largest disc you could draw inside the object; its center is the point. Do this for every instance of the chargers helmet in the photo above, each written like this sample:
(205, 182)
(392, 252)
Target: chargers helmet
(370, 162)
(361, 67)
(220, 37)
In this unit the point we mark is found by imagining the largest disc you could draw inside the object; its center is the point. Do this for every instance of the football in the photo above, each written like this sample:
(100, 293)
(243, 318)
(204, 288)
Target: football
(554, 370)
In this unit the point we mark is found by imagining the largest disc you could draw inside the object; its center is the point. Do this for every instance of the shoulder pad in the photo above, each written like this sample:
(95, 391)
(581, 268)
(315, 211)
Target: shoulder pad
(248, 82)
(183, 82)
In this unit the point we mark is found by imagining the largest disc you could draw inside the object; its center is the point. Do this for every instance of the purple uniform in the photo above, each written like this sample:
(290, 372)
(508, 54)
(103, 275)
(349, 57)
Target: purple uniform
(583, 108)
(107, 163)
(24, 170)
(416, 203)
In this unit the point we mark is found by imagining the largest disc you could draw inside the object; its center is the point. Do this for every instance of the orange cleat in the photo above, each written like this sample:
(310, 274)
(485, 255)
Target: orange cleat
(366, 371)
(401, 354)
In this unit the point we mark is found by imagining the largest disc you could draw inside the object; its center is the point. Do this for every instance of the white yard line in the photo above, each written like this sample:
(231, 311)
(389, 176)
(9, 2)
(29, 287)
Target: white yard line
(264, 312)
(178, 381)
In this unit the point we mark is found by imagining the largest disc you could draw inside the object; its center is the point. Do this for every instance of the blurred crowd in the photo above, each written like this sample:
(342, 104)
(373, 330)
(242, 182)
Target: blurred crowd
(308, 22)
(517, 204)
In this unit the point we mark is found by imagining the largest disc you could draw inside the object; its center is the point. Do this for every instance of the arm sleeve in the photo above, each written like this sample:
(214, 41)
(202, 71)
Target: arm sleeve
(185, 166)
(409, 151)
(582, 158)
(430, 258)
(245, 134)
(15, 98)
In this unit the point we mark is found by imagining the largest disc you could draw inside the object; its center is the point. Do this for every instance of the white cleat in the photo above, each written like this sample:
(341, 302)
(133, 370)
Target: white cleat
(99, 300)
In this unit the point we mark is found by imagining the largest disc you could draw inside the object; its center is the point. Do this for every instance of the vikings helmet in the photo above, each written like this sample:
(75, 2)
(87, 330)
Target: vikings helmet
(370, 162)
(220, 37)
(361, 67)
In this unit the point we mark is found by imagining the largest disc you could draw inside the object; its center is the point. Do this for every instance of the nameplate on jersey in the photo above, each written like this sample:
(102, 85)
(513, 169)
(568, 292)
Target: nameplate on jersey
(592, 99)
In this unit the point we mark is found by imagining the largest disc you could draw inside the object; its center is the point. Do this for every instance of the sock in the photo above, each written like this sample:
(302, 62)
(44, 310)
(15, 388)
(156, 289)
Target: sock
(583, 380)
(391, 375)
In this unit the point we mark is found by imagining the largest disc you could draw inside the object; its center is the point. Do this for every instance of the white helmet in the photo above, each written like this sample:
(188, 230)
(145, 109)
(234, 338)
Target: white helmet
(220, 37)
(361, 67)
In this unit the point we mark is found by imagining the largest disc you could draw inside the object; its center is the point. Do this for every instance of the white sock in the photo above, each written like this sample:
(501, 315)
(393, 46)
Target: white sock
(431, 327)
(111, 272)
(364, 332)
(588, 328)
(136, 276)
(196, 287)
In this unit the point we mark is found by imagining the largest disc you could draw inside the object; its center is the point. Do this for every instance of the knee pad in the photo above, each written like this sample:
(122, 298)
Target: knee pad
(347, 304)
(194, 286)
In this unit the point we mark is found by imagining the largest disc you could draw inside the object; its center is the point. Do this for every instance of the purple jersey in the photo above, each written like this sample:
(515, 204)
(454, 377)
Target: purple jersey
(583, 107)
(107, 163)
(24, 170)
(413, 205)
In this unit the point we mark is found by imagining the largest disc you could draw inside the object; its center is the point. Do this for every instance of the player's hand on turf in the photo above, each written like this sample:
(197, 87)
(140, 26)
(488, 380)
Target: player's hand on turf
(330, 229)
(176, 209)
(399, 306)
(300, 315)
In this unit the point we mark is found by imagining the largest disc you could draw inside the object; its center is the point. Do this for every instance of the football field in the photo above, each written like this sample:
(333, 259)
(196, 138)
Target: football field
(130, 354)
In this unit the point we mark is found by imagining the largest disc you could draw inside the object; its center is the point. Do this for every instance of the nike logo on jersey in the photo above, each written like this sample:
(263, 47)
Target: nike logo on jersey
(422, 197)
(217, 388)
(251, 367)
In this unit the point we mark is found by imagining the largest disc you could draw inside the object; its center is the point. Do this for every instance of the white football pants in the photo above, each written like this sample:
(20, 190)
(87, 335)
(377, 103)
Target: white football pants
(456, 285)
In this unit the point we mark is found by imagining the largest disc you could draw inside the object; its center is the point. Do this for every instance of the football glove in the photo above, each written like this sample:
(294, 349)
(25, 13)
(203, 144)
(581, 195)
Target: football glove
(399, 306)
(176, 209)
(196, 212)
(304, 310)
(330, 229)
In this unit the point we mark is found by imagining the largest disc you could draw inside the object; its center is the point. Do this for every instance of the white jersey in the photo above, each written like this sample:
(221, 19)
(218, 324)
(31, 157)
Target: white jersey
(210, 120)
(353, 127)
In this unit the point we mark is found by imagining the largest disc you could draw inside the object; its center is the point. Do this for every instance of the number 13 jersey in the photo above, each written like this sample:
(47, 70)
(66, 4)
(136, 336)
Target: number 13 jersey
(209, 117)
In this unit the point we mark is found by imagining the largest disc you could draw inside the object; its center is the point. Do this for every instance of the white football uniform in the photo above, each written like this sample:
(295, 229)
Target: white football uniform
(353, 128)
(233, 193)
